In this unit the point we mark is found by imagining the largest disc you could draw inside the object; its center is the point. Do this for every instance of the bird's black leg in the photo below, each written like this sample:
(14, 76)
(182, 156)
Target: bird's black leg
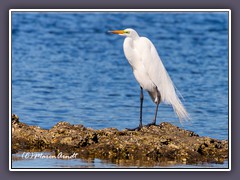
(156, 110)
(141, 105)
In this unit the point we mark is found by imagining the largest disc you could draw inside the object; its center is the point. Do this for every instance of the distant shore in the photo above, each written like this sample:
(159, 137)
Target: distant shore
(155, 145)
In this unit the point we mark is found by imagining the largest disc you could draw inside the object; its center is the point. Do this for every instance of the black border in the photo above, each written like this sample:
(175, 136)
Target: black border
(5, 5)
(112, 169)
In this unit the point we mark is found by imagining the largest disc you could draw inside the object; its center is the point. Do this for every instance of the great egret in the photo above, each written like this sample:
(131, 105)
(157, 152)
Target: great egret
(150, 73)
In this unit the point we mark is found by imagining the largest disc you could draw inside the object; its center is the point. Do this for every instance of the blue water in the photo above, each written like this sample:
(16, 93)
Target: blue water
(65, 67)
(23, 162)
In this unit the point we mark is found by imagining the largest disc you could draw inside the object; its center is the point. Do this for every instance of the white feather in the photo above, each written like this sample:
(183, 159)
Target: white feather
(150, 72)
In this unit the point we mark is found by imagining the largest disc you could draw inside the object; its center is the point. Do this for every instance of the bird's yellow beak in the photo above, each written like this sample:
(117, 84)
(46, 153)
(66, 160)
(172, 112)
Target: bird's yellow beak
(117, 32)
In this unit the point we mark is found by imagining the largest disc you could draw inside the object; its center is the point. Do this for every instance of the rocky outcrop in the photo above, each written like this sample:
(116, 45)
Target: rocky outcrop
(155, 145)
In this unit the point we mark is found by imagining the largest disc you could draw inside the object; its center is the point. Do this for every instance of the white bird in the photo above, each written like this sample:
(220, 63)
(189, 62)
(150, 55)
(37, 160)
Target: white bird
(150, 73)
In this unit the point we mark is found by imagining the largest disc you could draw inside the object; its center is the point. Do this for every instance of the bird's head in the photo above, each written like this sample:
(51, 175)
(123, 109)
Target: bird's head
(126, 32)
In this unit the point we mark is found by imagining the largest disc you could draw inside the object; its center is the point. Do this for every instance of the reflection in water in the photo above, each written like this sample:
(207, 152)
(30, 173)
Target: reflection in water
(19, 161)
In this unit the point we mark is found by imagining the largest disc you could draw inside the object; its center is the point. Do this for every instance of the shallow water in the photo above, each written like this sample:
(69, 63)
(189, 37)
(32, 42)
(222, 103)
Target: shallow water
(65, 67)
(45, 161)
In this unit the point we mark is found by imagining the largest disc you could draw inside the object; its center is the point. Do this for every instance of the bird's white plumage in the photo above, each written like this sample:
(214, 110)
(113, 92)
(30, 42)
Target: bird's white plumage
(150, 72)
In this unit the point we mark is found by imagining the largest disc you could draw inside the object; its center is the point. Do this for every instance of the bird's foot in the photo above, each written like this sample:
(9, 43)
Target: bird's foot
(151, 124)
(134, 129)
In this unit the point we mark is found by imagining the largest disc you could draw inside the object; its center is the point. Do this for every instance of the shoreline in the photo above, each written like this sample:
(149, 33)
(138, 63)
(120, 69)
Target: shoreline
(154, 145)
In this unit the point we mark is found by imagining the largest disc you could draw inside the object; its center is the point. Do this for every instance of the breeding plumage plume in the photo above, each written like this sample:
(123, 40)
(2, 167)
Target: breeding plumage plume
(150, 73)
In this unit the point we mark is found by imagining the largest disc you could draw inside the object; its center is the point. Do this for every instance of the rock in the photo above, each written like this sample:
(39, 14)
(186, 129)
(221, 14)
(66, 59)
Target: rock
(154, 145)
(15, 119)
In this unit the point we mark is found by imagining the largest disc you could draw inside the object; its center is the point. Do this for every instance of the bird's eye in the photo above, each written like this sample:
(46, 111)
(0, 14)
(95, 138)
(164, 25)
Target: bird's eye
(127, 32)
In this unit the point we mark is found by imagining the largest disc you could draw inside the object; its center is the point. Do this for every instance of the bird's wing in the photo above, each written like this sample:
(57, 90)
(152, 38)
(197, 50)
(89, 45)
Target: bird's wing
(160, 77)
(156, 70)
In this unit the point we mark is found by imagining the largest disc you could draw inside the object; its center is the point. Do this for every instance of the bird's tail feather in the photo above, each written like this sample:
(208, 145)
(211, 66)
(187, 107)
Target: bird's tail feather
(169, 95)
(180, 110)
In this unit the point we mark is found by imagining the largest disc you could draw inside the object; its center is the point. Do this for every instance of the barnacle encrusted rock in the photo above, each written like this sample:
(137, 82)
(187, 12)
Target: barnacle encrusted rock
(155, 145)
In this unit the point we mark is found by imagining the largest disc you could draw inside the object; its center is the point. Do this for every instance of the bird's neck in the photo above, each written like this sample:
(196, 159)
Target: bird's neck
(135, 37)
